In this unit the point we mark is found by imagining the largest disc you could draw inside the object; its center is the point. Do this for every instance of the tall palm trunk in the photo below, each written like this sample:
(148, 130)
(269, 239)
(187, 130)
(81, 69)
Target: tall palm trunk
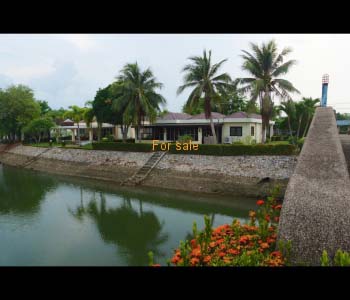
(208, 113)
(213, 129)
(298, 131)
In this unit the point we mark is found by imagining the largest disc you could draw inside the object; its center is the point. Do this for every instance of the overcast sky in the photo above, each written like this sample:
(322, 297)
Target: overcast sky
(69, 69)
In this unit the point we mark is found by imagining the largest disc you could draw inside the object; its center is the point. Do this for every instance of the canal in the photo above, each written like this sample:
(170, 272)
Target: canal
(49, 220)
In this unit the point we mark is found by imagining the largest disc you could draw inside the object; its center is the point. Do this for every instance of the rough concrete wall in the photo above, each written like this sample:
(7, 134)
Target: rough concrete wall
(316, 210)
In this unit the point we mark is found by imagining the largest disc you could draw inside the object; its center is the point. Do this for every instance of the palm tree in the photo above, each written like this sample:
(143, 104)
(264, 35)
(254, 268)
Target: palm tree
(309, 108)
(288, 107)
(300, 113)
(201, 75)
(266, 65)
(76, 113)
(139, 98)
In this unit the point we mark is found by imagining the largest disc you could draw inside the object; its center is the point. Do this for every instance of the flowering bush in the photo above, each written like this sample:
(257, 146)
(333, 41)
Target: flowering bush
(236, 244)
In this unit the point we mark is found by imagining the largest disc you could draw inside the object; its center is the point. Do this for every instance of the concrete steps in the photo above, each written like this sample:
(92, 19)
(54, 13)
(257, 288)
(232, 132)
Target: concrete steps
(142, 173)
(35, 158)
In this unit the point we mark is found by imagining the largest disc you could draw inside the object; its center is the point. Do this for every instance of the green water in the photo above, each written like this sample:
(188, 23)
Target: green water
(52, 220)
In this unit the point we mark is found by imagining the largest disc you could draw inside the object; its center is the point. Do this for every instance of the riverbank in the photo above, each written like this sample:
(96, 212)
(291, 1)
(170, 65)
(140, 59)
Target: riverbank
(238, 175)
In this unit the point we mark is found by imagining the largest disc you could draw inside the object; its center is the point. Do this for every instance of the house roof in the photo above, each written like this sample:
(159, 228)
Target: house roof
(201, 116)
(175, 116)
(242, 114)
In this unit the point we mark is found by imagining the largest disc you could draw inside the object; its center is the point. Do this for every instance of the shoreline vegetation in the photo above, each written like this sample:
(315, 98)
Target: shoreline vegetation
(253, 244)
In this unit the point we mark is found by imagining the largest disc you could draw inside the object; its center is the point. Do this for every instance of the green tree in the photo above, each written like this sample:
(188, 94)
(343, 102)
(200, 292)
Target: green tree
(201, 75)
(309, 106)
(265, 66)
(102, 108)
(137, 98)
(288, 107)
(38, 127)
(17, 108)
(44, 107)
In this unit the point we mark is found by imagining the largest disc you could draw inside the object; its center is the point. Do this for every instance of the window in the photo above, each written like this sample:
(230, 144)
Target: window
(252, 133)
(146, 133)
(173, 133)
(236, 131)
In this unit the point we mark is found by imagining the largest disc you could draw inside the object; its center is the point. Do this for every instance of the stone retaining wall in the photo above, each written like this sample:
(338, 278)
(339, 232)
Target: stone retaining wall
(210, 174)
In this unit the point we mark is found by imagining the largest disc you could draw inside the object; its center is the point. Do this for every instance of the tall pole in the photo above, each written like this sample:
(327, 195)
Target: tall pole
(325, 80)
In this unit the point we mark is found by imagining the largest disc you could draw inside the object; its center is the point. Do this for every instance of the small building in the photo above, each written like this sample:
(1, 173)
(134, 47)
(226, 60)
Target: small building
(238, 126)
(343, 126)
(90, 133)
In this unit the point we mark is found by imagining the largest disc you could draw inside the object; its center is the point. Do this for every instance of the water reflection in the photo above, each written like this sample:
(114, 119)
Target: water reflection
(21, 192)
(133, 230)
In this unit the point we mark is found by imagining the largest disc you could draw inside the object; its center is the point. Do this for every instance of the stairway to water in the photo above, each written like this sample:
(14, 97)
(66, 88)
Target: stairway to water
(146, 169)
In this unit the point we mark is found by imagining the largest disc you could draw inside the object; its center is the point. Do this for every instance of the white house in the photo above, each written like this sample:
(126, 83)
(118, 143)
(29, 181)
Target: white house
(238, 126)
(235, 127)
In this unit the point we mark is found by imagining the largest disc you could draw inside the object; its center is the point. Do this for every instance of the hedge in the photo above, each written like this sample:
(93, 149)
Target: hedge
(219, 150)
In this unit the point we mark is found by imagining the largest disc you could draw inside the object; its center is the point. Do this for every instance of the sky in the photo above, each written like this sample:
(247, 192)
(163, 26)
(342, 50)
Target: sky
(68, 69)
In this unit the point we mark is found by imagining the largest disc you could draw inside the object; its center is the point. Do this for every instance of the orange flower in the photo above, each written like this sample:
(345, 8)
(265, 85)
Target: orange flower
(207, 259)
(222, 247)
(233, 251)
(175, 259)
(194, 261)
(277, 219)
(276, 254)
(267, 218)
(279, 206)
(212, 244)
(193, 243)
(196, 252)
(270, 240)
(222, 254)
(220, 241)
(260, 202)
(264, 245)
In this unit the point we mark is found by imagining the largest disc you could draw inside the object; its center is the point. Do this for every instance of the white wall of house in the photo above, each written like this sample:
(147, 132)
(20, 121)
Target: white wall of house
(119, 135)
(246, 131)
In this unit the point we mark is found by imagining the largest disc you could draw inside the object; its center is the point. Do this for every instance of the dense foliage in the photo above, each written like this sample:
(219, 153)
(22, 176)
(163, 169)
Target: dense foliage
(17, 108)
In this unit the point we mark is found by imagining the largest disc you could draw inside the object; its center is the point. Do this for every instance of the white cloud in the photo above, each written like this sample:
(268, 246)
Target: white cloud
(83, 42)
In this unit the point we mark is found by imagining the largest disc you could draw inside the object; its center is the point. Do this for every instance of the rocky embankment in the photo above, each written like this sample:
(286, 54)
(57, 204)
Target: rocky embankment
(239, 175)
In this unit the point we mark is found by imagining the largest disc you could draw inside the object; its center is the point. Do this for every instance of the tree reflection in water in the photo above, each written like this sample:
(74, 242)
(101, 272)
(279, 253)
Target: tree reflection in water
(22, 192)
(134, 231)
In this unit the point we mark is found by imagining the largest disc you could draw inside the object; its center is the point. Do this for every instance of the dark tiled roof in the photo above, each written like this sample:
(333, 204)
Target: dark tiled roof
(241, 114)
(175, 116)
(201, 116)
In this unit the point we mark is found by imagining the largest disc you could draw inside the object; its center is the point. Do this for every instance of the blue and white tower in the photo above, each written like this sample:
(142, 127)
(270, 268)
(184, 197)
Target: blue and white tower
(325, 80)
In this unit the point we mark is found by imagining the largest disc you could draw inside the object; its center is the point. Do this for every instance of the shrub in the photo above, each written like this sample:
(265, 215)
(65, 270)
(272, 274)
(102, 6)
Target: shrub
(300, 143)
(184, 138)
(236, 244)
(105, 139)
(132, 147)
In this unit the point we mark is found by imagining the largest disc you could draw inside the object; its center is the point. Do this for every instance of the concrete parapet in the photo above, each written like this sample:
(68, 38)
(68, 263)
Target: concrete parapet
(316, 212)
